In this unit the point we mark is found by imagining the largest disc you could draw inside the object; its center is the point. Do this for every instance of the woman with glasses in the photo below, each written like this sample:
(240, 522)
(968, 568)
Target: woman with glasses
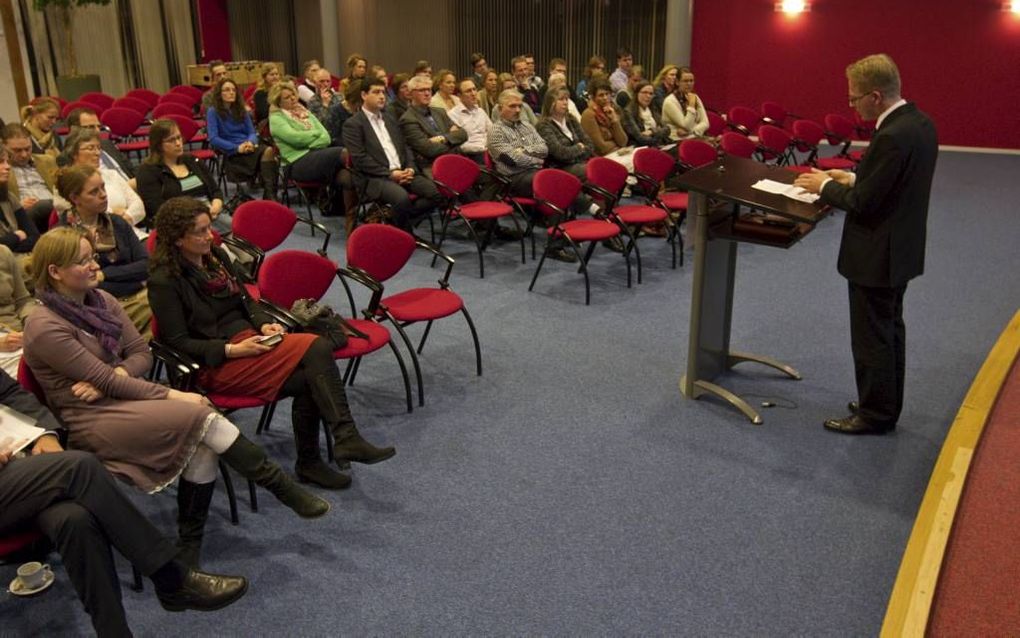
(642, 120)
(83, 148)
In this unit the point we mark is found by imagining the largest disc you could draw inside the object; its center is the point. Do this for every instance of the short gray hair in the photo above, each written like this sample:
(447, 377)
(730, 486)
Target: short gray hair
(507, 95)
(419, 82)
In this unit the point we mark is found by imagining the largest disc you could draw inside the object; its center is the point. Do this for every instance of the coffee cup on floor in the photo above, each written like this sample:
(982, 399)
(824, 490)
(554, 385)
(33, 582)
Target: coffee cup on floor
(33, 575)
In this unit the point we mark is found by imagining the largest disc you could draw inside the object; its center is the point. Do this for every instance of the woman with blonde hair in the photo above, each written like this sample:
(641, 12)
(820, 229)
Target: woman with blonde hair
(39, 118)
(357, 68)
(444, 85)
(664, 83)
(91, 362)
(269, 75)
(488, 93)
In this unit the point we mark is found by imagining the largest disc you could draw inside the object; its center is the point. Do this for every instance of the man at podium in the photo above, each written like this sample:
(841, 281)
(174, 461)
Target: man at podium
(882, 248)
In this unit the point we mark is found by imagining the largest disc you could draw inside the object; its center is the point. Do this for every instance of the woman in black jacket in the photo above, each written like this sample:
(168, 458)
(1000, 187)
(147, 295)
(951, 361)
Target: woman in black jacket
(170, 172)
(642, 120)
(570, 148)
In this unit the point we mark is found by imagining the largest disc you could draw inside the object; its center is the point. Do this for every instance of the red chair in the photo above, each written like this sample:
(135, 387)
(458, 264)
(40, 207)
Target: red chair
(151, 98)
(193, 94)
(808, 135)
(29, 543)
(164, 110)
(454, 175)
(132, 103)
(696, 153)
(555, 191)
(124, 124)
(377, 252)
(178, 98)
(774, 144)
(652, 164)
(839, 131)
(716, 124)
(189, 129)
(743, 120)
(739, 145)
(264, 225)
(98, 98)
(78, 104)
(519, 203)
(290, 275)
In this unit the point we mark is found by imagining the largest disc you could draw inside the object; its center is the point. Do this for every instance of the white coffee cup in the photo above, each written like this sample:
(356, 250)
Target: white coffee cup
(33, 575)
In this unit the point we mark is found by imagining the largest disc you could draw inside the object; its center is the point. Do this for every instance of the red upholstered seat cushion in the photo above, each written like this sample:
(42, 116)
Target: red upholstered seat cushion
(11, 543)
(674, 201)
(638, 214)
(230, 402)
(378, 336)
(485, 210)
(423, 304)
(587, 229)
(841, 163)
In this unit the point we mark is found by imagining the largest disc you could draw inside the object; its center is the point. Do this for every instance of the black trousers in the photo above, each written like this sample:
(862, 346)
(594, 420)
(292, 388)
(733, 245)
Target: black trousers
(76, 503)
(405, 212)
(878, 342)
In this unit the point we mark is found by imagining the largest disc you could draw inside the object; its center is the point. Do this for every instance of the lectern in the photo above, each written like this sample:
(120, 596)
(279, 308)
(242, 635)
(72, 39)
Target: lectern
(726, 210)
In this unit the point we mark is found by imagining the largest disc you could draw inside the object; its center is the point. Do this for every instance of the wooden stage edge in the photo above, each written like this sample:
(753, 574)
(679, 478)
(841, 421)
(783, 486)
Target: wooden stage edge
(910, 602)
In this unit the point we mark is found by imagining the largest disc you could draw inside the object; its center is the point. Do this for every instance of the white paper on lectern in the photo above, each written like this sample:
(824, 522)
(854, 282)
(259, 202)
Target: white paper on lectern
(786, 190)
(17, 431)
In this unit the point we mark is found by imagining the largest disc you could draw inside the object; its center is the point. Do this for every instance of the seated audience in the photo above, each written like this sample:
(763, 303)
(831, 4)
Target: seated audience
(31, 178)
(204, 312)
(17, 232)
(39, 119)
(170, 172)
(570, 148)
(306, 89)
(559, 80)
(683, 110)
(232, 133)
(642, 120)
(506, 83)
(596, 66)
(327, 105)
(516, 148)
(380, 73)
(269, 75)
(91, 363)
(110, 156)
(402, 98)
(601, 121)
(624, 62)
(15, 305)
(428, 130)
(522, 74)
(357, 69)
(122, 259)
(78, 506)
(444, 86)
(384, 163)
(534, 80)
(488, 90)
(479, 69)
(83, 148)
(217, 73)
(473, 119)
(626, 96)
(423, 67)
(665, 83)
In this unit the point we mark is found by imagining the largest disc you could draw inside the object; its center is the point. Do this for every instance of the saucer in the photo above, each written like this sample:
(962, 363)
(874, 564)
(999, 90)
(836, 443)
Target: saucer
(17, 589)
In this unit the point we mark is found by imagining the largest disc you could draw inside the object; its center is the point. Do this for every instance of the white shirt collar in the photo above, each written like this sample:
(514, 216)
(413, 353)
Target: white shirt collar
(886, 112)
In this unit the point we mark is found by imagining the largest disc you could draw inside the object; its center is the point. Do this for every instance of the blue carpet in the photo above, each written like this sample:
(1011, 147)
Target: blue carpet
(571, 490)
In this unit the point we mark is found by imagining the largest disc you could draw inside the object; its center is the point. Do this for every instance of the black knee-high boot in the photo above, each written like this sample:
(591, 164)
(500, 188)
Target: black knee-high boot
(192, 512)
(348, 444)
(310, 467)
(251, 462)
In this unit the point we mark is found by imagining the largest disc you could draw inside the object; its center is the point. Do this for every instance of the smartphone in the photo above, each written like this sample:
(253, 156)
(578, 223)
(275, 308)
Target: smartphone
(271, 340)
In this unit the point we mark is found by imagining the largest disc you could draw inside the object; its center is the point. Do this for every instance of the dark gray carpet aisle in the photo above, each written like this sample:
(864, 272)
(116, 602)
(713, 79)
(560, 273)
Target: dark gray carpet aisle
(572, 491)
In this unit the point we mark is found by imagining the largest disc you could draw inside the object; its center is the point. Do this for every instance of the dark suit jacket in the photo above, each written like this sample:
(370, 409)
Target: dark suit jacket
(887, 208)
(111, 149)
(367, 154)
(417, 132)
(633, 128)
(195, 323)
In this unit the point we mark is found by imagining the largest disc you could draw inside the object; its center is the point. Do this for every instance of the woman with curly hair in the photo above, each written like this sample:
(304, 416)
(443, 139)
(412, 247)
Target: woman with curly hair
(203, 311)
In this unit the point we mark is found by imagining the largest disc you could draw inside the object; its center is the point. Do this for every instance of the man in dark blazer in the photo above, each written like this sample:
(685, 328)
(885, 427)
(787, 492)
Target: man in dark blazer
(883, 243)
(428, 130)
(76, 503)
(383, 163)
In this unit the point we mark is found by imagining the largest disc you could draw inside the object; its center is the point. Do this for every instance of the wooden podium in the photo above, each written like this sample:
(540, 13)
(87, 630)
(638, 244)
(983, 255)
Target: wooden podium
(720, 199)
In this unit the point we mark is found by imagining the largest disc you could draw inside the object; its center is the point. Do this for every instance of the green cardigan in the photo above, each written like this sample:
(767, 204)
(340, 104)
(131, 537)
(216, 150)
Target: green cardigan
(294, 141)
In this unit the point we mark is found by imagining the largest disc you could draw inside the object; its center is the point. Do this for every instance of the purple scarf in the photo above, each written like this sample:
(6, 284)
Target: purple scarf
(92, 316)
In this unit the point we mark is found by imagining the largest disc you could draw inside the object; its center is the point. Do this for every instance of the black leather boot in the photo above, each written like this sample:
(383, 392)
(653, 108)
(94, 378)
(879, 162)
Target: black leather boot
(251, 462)
(192, 511)
(269, 170)
(348, 444)
(310, 467)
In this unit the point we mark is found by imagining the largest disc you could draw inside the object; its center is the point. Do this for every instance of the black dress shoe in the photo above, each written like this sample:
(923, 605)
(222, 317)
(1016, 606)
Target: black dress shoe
(204, 592)
(562, 254)
(854, 407)
(321, 474)
(854, 424)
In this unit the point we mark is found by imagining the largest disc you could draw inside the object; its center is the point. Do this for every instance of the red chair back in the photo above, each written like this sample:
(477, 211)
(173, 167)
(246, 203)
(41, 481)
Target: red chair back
(27, 380)
(838, 129)
(654, 163)
(132, 103)
(188, 126)
(98, 98)
(54, 219)
(774, 141)
(263, 223)
(775, 112)
(150, 245)
(151, 98)
(380, 250)
(863, 128)
(177, 98)
(736, 144)
(122, 122)
(456, 172)
(17, 541)
(607, 174)
(289, 275)
(166, 109)
(557, 187)
(716, 124)
(193, 94)
(744, 117)
(808, 134)
(696, 153)
(78, 104)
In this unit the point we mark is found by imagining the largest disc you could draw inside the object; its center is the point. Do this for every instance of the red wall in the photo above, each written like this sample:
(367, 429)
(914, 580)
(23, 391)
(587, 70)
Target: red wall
(215, 30)
(959, 60)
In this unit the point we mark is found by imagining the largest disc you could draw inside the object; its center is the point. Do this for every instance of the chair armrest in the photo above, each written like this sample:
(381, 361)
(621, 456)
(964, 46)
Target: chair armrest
(356, 274)
(180, 368)
(281, 315)
(319, 227)
(648, 181)
(424, 245)
(558, 213)
(601, 193)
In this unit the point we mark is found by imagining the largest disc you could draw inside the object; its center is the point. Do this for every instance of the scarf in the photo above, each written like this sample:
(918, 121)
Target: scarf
(300, 115)
(213, 278)
(92, 316)
(101, 234)
(43, 139)
(600, 115)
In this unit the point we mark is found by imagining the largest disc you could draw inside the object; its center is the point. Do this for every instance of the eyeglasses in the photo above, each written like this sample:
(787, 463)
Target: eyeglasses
(200, 233)
(852, 99)
(421, 90)
(91, 148)
(87, 261)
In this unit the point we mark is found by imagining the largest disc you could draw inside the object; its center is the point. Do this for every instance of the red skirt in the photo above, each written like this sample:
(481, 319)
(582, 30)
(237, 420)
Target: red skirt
(260, 376)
